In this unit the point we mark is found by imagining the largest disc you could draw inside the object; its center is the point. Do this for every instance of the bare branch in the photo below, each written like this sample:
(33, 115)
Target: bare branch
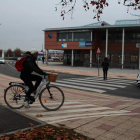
(68, 6)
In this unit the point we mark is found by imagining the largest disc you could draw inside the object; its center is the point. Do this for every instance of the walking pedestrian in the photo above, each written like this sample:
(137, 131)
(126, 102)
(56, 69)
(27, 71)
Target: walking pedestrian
(105, 65)
(43, 59)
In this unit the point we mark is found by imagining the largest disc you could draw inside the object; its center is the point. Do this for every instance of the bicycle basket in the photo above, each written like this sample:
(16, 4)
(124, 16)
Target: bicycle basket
(52, 77)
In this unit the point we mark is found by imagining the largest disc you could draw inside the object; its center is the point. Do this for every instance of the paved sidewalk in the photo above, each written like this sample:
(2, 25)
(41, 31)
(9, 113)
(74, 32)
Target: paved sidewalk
(99, 116)
(112, 72)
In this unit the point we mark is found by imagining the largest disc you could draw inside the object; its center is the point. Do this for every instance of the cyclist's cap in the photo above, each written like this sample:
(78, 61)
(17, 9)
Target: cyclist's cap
(33, 51)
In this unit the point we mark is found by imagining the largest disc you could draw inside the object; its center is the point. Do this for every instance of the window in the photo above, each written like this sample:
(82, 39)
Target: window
(120, 59)
(138, 37)
(110, 37)
(84, 36)
(103, 37)
(110, 58)
(118, 37)
(132, 36)
(87, 57)
(77, 57)
(134, 58)
(64, 36)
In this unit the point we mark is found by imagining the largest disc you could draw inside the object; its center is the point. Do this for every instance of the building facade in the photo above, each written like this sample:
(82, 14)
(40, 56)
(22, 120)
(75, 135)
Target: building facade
(117, 42)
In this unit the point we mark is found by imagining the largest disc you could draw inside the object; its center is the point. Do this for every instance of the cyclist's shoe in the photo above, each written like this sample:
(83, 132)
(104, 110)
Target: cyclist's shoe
(34, 92)
(32, 99)
(26, 104)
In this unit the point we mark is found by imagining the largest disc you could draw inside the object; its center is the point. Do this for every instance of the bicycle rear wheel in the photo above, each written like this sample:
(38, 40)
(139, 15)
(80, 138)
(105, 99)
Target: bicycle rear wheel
(51, 98)
(11, 97)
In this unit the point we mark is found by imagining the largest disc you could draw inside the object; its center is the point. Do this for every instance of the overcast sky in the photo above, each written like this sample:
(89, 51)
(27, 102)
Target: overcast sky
(22, 21)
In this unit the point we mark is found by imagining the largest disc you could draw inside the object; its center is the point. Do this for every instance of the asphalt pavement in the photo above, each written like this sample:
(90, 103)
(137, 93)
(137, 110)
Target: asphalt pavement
(12, 120)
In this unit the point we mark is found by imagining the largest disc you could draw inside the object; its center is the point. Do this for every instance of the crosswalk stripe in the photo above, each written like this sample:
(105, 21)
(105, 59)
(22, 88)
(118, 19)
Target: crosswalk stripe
(36, 104)
(78, 115)
(69, 111)
(122, 80)
(79, 87)
(99, 86)
(95, 83)
(115, 114)
(118, 82)
(63, 107)
(101, 78)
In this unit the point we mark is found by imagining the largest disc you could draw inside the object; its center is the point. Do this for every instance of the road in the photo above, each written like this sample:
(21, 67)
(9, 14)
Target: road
(113, 86)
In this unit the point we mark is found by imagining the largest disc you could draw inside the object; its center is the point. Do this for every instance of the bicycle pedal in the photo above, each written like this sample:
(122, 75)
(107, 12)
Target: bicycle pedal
(27, 106)
(31, 102)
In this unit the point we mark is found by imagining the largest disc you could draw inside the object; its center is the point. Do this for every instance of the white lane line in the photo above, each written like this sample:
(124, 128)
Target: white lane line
(119, 114)
(63, 107)
(38, 104)
(121, 80)
(70, 111)
(88, 85)
(95, 83)
(11, 66)
(76, 115)
(78, 87)
(101, 79)
(116, 80)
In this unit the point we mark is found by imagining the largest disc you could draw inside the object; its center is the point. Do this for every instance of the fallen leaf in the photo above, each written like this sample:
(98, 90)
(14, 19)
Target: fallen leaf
(31, 124)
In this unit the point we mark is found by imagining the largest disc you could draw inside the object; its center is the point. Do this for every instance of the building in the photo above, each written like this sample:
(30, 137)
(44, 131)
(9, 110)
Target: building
(117, 42)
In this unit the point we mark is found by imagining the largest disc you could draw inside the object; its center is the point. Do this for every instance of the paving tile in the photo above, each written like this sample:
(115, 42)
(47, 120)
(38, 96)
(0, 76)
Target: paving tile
(116, 104)
(138, 137)
(102, 138)
(113, 123)
(125, 126)
(135, 119)
(118, 130)
(122, 137)
(135, 128)
(97, 132)
(110, 135)
(105, 127)
(131, 133)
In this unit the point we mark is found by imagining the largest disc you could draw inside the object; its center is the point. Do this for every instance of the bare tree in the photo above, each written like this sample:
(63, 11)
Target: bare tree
(9, 53)
(0, 53)
(68, 6)
(17, 52)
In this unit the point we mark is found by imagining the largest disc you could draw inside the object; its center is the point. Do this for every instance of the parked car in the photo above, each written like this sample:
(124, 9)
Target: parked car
(55, 58)
(19, 58)
(2, 61)
(138, 79)
(13, 58)
(39, 58)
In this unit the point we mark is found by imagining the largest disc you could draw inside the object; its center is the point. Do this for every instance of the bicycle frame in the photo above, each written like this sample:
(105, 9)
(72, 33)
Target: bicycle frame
(43, 82)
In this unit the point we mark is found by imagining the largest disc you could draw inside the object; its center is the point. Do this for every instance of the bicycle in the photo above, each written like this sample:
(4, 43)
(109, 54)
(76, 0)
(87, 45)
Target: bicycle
(51, 97)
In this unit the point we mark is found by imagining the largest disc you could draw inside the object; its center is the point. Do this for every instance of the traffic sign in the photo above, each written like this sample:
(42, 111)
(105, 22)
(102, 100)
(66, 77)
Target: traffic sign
(98, 50)
(138, 45)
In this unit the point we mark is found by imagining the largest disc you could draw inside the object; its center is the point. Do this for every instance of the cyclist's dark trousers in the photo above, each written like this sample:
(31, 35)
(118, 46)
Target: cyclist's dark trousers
(105, 74)
(28, 82)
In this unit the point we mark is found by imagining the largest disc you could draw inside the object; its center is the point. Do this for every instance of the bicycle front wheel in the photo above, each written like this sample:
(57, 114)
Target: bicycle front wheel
(14, 96)
(51, 98)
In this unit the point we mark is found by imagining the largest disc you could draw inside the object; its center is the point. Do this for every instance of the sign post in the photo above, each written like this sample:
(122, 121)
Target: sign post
(98, 52)
(138, 46)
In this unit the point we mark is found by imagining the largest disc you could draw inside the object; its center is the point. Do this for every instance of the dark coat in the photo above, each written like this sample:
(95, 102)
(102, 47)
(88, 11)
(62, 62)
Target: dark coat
(29, 65)
(105, 65)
